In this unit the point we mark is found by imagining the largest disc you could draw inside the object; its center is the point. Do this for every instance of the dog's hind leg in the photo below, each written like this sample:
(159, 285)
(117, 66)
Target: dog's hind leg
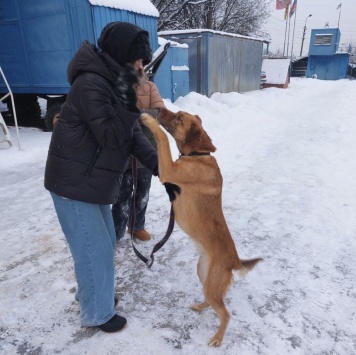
(215, 288)
(202, 271)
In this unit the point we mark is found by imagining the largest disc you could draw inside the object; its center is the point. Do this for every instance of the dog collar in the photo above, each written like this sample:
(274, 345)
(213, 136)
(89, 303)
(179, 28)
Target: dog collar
(195, 153)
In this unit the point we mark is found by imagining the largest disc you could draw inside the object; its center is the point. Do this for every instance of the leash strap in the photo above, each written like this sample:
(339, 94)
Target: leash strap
(162, 242)
(148, 261)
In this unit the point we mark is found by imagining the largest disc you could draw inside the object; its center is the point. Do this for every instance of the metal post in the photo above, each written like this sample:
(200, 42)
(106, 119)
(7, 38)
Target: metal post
(338, 22)
(288, 36)
(338, 25)
(285, 36)
(295, 17)
(305, 28)
(13, 105)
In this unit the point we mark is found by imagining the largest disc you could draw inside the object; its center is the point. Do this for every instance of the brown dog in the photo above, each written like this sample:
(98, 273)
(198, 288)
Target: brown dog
(196, 182)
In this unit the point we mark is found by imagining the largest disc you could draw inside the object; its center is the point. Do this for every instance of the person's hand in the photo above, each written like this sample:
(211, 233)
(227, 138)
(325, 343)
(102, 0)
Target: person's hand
(172, 190)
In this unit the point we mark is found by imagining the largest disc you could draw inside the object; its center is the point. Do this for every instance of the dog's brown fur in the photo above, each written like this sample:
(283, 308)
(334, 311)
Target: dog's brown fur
(198, 207)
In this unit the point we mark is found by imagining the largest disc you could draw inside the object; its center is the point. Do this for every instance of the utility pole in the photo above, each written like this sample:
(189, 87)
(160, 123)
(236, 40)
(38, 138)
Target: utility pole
(339, 7)
(338, 25)
(305, 28)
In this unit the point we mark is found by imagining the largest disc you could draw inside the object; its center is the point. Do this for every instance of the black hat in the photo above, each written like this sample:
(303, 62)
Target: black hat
(140, 49)
(125, 43)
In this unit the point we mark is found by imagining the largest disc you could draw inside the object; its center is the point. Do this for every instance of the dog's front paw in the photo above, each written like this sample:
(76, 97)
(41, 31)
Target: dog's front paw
(148, 120)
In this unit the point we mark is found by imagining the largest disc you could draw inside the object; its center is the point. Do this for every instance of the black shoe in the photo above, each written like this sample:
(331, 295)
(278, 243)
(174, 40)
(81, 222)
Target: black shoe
(115, 324)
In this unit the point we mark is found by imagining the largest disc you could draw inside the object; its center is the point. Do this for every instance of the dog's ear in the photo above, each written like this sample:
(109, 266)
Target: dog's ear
(198, 138)
(193, 135)
(199, 119)
(206, 143)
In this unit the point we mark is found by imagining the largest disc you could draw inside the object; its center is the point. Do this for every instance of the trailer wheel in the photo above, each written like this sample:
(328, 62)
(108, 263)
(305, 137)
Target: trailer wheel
(52, 116)
(28, 110)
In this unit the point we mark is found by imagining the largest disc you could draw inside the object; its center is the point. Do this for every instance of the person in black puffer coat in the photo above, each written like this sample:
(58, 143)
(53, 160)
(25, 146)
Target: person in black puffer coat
(96, 132)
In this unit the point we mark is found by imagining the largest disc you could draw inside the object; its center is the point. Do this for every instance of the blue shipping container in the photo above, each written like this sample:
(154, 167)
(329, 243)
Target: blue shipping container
(40, 37)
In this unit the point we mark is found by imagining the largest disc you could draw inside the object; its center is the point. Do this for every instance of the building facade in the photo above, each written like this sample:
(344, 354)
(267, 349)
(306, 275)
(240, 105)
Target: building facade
(325, 61)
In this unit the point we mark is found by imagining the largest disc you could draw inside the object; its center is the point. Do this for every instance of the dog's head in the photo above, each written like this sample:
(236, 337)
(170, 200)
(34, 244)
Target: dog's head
(187, 130)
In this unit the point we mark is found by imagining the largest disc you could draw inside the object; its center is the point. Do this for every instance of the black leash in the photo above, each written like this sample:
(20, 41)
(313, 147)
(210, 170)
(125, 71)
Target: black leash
(148, 261)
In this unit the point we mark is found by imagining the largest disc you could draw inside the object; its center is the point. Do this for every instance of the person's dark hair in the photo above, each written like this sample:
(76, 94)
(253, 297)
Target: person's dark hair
(125, 43)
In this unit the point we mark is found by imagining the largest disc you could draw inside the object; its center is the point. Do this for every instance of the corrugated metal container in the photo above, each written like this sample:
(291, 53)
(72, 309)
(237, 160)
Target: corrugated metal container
(172, 78)
(39, 38)
(220, 62)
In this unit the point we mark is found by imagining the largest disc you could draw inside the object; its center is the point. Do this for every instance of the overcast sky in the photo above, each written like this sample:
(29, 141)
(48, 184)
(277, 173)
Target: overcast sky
(322, 11)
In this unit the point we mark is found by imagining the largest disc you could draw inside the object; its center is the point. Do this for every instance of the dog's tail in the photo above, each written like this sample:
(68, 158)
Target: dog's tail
(247, 265)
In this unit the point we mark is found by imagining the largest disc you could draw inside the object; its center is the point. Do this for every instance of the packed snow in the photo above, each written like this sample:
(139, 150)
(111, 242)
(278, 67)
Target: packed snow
(288, 161)
(196, 31)
(144, 7)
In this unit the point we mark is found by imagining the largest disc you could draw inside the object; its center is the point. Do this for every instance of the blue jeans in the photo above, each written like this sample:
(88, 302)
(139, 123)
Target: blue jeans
(90, 233)
(121, 210)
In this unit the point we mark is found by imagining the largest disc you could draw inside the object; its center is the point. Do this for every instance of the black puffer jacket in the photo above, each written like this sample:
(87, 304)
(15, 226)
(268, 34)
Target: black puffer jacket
(95, 133)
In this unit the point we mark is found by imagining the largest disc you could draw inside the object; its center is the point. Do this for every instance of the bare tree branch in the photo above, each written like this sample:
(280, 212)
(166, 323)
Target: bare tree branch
(235, 16)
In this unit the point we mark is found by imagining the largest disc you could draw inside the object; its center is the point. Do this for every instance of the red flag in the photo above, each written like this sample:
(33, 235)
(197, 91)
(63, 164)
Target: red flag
(280, 4)
(293, 8)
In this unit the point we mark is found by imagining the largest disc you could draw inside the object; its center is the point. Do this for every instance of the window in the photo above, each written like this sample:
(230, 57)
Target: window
(318, 40)
(327, 40)
(323, 40)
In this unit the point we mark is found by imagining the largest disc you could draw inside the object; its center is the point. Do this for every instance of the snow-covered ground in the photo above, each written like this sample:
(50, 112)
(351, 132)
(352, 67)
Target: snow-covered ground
(288, 162)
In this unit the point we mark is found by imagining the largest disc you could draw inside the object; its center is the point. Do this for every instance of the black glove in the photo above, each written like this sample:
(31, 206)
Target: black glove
(172, 189)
